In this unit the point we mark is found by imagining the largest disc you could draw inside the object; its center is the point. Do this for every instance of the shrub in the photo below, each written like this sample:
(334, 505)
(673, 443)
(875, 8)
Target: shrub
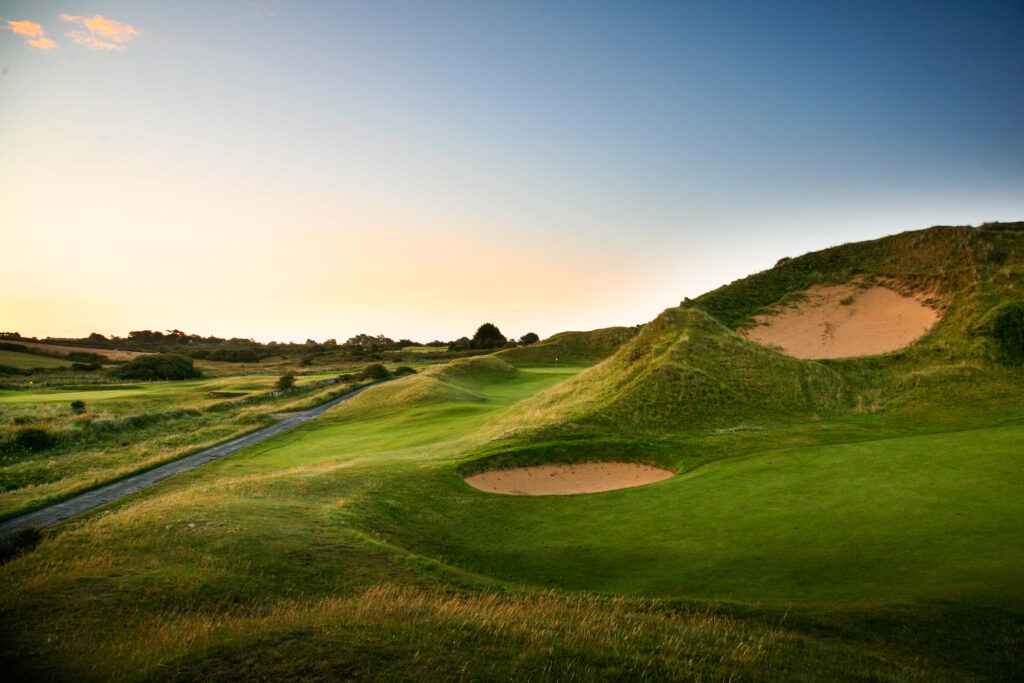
(376, 371)
(286, 381)
(230, 355)
(118, 424)
(85, 367)
(161, 366)
(33, 439)
(18, 543)
(78, 407)
(86, 357)
(529, 338)
(1008, 333)
(403, 370)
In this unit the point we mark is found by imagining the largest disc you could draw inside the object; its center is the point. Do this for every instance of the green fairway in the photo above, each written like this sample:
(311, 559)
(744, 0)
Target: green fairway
(354, 521)
(937, 516)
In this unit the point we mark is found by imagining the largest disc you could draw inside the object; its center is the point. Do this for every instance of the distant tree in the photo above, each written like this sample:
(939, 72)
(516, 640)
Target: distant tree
(460, 344)
(488, 336)
(402, 343)
(366, 342)
(376, 371)
(228, 354)
(158, 366)
(330, 342)
(97, 337)
(436, 343)
(286, 381)
(145, 337)
(529, 338)
(311, 342)
(78, 407)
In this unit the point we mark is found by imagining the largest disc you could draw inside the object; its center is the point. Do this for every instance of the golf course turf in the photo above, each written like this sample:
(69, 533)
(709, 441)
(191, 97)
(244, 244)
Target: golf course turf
(836, 519)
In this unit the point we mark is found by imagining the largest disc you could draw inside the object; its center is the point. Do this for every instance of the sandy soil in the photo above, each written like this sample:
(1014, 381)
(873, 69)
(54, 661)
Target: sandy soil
(55, 348)
(561, 480)
(871, 321)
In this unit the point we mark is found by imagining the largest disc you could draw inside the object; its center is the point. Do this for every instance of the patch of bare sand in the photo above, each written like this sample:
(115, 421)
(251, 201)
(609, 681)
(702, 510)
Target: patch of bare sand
(845, 320)
(562, 480)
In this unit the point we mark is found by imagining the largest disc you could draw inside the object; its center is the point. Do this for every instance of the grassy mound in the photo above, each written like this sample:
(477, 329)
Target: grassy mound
(685, 370)
(402, 394)
(476, 371)
(570, 347)
(455, 382)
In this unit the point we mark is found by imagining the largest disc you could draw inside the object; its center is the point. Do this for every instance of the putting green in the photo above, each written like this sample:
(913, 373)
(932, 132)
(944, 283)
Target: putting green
(937, 516)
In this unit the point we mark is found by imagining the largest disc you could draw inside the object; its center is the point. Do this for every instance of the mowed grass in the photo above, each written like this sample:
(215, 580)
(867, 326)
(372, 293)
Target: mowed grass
(927, 517)
(24, 361)
(99, 446)
(352, 548)
(181, 393)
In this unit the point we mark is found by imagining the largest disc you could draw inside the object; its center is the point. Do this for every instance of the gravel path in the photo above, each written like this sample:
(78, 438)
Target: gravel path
(89, 500)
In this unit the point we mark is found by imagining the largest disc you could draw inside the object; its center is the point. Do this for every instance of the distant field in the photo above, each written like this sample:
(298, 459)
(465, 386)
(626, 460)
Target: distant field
(22, 361)
(86, 455)
(57, 348)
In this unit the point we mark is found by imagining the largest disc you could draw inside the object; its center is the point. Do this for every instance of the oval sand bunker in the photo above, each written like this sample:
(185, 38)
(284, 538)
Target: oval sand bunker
(563, 480)
(843, 321)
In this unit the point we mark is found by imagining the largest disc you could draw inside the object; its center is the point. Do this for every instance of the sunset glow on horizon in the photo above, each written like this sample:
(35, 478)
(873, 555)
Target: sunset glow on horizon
(290, 170)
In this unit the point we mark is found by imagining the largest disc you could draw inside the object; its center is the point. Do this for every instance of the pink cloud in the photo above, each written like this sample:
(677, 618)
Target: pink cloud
(35, 34)
(99, 32)
(43, 43)
(29, 29)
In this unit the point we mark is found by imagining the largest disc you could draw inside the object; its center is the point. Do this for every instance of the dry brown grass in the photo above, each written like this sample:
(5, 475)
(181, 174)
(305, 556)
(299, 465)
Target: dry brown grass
(112, 354)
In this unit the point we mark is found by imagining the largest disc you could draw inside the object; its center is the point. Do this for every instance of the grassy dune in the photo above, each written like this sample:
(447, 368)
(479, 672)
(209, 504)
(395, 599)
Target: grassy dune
(570, 347)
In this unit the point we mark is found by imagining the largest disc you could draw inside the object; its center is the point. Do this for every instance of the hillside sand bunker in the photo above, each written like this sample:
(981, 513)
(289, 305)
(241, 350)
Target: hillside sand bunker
(562, 480)
(843, 321)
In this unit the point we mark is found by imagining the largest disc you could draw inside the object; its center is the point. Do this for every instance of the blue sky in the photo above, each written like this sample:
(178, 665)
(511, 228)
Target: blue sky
(284, 170)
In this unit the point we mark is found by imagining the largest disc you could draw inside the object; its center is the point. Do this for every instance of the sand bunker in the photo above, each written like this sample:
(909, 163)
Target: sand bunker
(845, 320)
(562, 480)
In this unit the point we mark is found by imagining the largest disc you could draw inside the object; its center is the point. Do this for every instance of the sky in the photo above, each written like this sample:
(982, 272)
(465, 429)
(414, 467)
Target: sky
(293, 170)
